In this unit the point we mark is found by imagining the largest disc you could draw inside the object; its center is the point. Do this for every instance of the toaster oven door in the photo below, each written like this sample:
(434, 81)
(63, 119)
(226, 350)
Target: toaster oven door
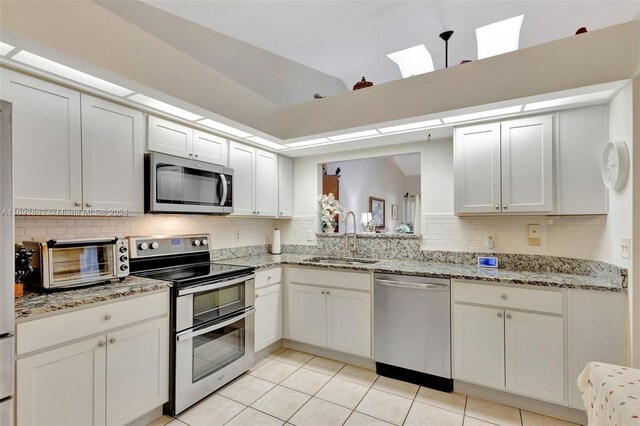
(71, 265)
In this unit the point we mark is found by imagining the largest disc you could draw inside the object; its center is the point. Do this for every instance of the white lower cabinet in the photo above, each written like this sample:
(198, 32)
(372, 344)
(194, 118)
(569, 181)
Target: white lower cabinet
(349, 321)
(268, 316)
(107, 379)
(307, 314)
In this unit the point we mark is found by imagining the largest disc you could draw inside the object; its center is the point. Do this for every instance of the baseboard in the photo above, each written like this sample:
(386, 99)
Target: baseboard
(328, 353)
(522, 402)
(145, 419)
(266, 351)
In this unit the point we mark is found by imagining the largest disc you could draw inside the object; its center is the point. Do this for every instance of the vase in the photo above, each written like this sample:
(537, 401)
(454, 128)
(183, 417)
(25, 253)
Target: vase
(329, 229)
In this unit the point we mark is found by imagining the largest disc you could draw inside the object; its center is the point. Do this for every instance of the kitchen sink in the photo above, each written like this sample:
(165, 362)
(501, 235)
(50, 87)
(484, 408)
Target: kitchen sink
(338, 261)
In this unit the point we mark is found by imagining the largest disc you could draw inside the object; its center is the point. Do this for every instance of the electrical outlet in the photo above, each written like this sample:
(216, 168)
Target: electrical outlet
(310, 235)
(534, 231)
(491, 241)
(237, 235)
(625, 247)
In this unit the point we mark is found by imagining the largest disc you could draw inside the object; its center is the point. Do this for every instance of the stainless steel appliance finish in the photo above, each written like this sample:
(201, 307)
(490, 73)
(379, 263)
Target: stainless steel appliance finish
(6, 266)
(178, 185)
(73, 263)
(212, 314)
(412, 327)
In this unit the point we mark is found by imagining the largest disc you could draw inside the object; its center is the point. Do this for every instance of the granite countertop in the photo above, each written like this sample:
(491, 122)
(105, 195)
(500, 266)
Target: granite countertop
(438, 270)
(36, 304)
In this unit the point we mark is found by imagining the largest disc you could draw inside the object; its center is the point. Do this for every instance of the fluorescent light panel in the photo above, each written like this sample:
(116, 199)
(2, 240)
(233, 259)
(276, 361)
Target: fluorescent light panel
(224, 128)
(70, 73)
(165, 107)
(569, 100)
(482, 114)
(499, 37)
(307, 143)
(265, 142)
(355, 135)
(411, 126)
(5, 48)
(413, 61)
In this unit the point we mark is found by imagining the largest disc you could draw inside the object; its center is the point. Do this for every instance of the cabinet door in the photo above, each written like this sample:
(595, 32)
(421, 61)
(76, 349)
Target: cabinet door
(527, 165)
(266, 183)
(534, 355)
(285, 186)
(169, 138)
(582, 135)
(307, 314)
(268, 316)
(479, 345)
(64, 386)
(477, 169)
(112, 156)
(349, 322)
(242, 160)
(46, 142)
(137, 370)
(210, 148)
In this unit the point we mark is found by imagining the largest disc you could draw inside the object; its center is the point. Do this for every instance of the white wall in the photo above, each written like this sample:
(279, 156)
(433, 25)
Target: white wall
(378, 177)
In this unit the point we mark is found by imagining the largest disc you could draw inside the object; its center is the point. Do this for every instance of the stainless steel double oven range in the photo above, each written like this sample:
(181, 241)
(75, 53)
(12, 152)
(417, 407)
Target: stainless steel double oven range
(212, 314)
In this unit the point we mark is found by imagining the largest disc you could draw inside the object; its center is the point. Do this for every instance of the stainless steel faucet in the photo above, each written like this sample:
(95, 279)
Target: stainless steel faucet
(353, 247)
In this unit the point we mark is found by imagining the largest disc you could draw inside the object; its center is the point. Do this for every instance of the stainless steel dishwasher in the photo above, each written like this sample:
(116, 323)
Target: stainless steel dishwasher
(412, 329)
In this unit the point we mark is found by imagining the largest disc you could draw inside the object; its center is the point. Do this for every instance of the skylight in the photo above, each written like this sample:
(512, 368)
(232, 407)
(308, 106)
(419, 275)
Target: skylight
(5, 48)
(588, 97)
(413, 61)
(70, 73)
(499, 37)
(224, 128)
(165, 107)
(265, 142)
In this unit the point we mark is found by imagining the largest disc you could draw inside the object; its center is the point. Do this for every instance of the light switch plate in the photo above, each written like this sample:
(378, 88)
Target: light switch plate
(310, 235)
(625, 247)
(534, 234)
(237, 235)
(491, 241)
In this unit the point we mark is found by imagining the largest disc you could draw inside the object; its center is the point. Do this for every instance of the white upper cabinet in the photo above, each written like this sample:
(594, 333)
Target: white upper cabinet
(255, 181)
(477, 168)
(527, 165)
(210, 148)
(47, 142)
(285, 187)
(112, 140)
(182, 141)
(504, 167)
(582, 137)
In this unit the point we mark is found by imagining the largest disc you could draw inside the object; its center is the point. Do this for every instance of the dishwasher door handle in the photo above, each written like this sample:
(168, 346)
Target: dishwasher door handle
(419, 286)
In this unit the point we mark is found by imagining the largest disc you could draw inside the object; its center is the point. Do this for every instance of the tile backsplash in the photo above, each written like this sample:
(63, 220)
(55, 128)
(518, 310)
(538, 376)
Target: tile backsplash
(223, 229)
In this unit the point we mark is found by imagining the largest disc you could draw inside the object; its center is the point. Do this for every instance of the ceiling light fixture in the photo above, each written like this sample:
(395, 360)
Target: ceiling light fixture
(5, 48)
(70, 73)
(265, 142)
(164, 107)
(499, 37)
(355, 135)
(482, 114)
(588, 97)
(411, 126)
(307, 143)
(413, 61)
(207, 122)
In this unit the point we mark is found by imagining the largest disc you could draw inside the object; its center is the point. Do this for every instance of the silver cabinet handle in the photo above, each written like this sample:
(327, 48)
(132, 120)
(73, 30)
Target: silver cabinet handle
(196, 155)
(78, 203)
(497, 207)
(89, 204)
(112, 340)
(328, 292)
(102, 343)
(499, 314)
(504, 207)
(257, 295)
(281, 213)
(107, 317)
(504, 297)
(509, 316)
(191, 154)
(257, 212)
(323, 292)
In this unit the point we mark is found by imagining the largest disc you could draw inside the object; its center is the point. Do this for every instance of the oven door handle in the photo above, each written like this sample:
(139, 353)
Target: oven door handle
(190, 334)
(214, 286)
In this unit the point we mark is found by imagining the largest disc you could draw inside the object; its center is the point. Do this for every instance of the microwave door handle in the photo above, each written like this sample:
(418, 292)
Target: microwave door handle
(223, 198)
(191, 334)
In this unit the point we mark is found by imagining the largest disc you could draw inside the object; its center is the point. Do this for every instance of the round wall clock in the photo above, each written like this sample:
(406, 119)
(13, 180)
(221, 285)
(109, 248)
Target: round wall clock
(615, 164)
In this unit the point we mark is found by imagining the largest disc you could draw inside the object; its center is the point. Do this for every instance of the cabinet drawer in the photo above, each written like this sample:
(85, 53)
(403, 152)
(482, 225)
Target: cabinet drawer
(550, 301)
(45, 332)
(268, 277)
(331, 278)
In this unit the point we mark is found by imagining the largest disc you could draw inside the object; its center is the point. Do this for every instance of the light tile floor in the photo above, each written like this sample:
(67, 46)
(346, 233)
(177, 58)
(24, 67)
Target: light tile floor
(300, 389)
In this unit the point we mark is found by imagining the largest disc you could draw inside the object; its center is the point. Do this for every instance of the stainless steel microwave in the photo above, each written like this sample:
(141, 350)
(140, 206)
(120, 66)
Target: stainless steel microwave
(179, 185)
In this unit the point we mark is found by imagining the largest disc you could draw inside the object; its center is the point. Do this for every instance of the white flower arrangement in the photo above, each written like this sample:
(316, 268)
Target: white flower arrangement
(330, 207)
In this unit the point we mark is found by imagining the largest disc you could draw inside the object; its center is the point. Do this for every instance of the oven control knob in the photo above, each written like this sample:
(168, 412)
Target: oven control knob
(205, 242)
(143, 246)
(123, 258)
(123, 249)
(154, 245)
(196, 243)
(124, 267)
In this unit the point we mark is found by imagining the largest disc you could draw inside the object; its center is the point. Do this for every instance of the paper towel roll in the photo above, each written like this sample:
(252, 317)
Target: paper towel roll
(275, 242)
